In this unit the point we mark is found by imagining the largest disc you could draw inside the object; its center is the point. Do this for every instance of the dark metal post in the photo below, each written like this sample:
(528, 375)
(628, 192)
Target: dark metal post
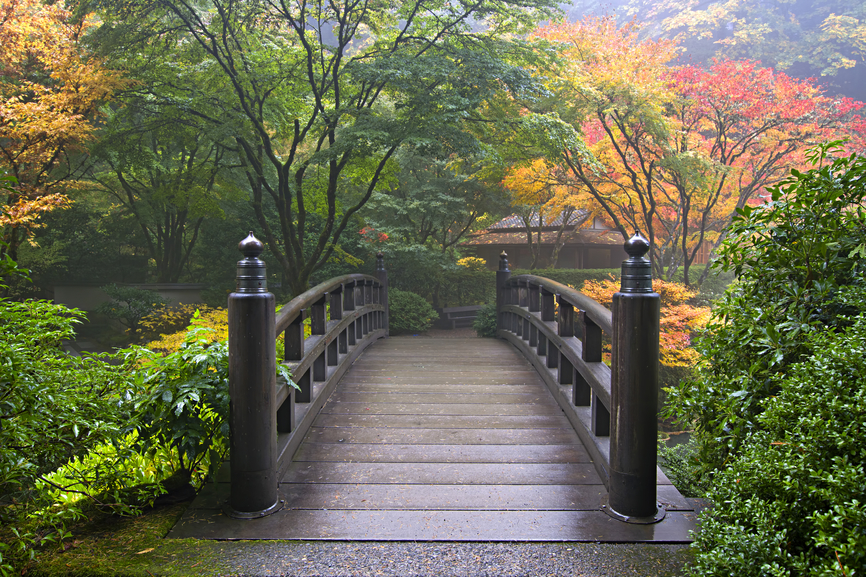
(502, 276)
(634, 390)
(252, 389)
(382, 275)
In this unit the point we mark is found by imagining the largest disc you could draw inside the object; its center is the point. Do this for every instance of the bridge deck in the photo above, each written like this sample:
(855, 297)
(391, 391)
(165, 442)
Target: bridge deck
(427, 439)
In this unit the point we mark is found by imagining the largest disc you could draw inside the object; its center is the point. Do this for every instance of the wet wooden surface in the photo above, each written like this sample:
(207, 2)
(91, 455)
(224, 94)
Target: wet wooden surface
(439, 439)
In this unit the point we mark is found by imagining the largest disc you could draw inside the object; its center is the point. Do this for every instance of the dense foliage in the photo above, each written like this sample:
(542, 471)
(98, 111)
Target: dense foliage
(409, 313)
(778, 403)
(54, 407)
(485, 321)
(130, 305)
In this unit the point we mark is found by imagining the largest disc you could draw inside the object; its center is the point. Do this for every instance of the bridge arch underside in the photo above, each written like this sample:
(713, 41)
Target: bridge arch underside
(440, 439)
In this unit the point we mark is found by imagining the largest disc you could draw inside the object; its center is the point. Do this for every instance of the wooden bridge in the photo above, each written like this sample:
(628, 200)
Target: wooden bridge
(438, 439)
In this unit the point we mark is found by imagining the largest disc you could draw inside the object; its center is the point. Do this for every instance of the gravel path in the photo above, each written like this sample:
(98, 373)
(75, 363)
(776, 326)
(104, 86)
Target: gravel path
(452, 559)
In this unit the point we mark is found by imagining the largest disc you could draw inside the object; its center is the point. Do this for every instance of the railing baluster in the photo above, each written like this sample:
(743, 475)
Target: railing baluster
(591, 339)
(533, 290)
(305, 394)
(335, 300)
(548, 310)
(293, 339)
(580, 394)
(286, 414)
(349, 296)
(600, 417)
(565, 325)
(317, 316)
(552, 356)
(542, 345)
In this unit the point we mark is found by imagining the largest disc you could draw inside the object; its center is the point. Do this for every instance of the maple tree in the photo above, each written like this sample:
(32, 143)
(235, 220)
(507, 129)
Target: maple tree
(50, 89)
(673, 151)
(805, 37)
(679, 321)
(316, 98)
(543, 198)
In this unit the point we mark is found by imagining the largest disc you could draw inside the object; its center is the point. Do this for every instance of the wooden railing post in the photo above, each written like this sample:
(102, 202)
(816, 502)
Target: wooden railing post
(634, 390)
(382, 275)
(502, 293)
(252, 389)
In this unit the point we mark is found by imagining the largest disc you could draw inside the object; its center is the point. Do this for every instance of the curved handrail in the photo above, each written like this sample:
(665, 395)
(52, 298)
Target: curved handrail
(291, 309)
(597, 312)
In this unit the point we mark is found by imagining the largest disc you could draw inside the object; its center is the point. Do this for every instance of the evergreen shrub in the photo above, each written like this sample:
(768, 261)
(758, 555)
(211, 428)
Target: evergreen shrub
(779, 401)
(485, 321)
(409, 313)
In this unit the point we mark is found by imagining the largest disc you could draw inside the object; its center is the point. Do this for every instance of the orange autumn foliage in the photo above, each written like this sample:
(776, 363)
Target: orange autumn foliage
(50, 91)
(679, 320)
(673, 150)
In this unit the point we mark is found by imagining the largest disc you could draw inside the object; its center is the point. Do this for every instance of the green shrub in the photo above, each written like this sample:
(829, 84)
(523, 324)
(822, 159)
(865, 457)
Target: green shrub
(54, 408)
(791, 257)
(792, 501)
(409, 313)
(130, 305)
(485, 321)
(779, 402)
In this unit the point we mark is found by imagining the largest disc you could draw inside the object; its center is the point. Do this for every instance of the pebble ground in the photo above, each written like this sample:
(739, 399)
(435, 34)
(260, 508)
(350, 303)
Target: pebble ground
(329, 559)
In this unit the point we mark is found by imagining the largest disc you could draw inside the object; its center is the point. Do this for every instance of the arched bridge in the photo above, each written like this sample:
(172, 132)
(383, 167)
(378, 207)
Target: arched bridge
(527, 437)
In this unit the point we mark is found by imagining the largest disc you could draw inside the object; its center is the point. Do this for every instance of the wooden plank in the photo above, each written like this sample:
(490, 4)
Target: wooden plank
(439, 409)
(441, 497)
(443, 473)
(438, 389)
(537, 398)
(373, 453)
(456, 437)
(443, 422)
(388, 525)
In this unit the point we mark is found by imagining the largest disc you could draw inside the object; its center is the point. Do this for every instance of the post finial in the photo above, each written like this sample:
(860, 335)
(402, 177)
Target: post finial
(503, 260)
(637, 274)
(380, 260)
(252, 273)
(251, 247)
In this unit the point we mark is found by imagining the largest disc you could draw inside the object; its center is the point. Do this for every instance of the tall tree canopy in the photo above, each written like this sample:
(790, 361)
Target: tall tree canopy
(674, 151)
(317, 97)
(50, 89)
(804, 37)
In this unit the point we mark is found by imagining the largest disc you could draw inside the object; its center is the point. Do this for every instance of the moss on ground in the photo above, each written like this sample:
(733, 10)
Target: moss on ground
(130, 546)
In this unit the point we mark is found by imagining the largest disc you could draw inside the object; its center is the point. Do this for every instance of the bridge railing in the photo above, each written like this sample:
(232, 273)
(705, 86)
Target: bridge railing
(612, 408)
(269, 418)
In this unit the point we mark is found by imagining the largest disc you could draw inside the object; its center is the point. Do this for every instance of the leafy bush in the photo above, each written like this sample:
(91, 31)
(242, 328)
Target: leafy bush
(485, 321)
(791, 257)
(792, 501)
(130, 305)
(54, 408)
(185, 405)
(409, 313)
(168, 326)
(779, 402)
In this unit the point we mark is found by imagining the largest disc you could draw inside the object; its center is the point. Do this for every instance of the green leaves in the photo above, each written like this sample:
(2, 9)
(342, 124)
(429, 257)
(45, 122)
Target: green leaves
(779, 404)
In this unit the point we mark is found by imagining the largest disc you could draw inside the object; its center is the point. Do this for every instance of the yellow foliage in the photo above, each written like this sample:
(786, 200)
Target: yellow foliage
(172, 323)
(678, 323)
(473, 263)
(51, 88)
